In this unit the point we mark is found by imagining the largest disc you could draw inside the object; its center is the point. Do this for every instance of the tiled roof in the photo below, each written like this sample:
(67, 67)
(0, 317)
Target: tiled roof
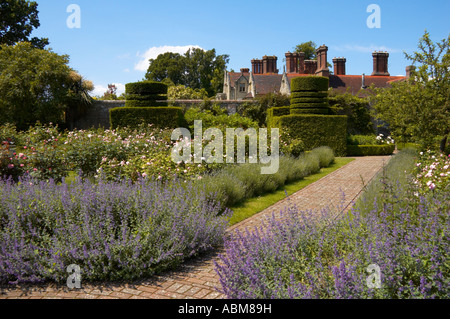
(267, 83)
(353, 83)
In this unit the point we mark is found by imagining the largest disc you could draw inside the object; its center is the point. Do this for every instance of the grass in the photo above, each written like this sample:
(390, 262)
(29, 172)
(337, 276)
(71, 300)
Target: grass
(255, 205)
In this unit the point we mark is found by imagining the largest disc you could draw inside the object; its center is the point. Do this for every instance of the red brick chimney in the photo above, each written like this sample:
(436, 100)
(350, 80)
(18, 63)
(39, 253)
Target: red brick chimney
(380, 63)
(300, 62)
(295, 62)
(310, 66)
(322, 67)
(290, 63)
(245, 70)
(257, 66)
(270, 64)
(339, 66)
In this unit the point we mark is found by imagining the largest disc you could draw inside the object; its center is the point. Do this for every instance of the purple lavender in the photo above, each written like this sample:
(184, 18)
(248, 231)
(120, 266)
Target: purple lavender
(112, 230)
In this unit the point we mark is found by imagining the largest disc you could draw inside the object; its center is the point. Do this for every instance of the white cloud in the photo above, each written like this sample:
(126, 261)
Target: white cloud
(100, 89)
(363, 49)
(153, 53)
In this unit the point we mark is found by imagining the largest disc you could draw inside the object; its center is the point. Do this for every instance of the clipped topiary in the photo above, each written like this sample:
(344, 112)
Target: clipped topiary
(309, 95)
(304, 94)
(146, 87)
(324, 111)
(309, 83)
(146, 102)
(146, 94)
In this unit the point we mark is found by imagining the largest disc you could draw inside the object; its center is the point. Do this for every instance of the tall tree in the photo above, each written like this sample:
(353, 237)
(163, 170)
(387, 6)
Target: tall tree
(18, 18)
(168, 65)
(309, 48)
(418, 109)
(38, 85)
(196, 69)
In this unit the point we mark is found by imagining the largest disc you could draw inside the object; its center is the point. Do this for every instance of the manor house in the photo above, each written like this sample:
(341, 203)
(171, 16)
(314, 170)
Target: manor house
(264, 76)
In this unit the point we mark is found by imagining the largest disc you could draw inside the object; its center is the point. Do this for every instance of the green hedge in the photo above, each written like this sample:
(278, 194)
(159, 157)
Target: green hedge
(309, 83)
(310, 105)
(146, 97)
(316, 130)
(276, 111)
(370, 150)
(162, 117)
(149, 103)
(309, 100)
(296, 95)
(323, 110)
(145, 87)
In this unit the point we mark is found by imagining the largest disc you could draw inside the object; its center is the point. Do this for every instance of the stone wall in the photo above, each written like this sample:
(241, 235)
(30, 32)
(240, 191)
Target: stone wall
(98, 115)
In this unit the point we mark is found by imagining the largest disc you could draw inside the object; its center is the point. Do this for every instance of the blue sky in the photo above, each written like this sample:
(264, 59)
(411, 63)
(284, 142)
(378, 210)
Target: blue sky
(116, 38)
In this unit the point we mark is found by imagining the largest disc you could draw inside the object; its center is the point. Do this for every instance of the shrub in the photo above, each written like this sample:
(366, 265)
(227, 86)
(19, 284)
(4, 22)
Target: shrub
(233, 184)
(311, 255)
(356, 108)
(312, 100)
(143, 103)
(276, 111)
(322, 111)
(370, 150)
(309, 83)
(294, 148)
(306, 94)
(146, 97)
(113, 231)
(145, 88)
(316, 130)
(164, 117)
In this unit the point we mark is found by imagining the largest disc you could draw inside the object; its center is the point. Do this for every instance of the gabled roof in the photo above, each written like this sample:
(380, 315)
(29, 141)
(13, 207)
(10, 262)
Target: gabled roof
(267, 83)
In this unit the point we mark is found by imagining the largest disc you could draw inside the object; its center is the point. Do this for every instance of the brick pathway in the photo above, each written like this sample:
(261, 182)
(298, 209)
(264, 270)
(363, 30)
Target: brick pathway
(197, 279)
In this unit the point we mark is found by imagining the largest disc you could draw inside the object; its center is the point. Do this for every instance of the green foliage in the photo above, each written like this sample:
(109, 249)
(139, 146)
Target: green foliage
(18, 18)
(34, 85)
(163, 117)
(309, 83)
(257, 110)
(301, 110)
(309, 105)
(357, 110)
(78, 97)
(309, 48)
(234, 183)
(144, 103)
(370, 150)
(294, 148)
(301, 100)
(213, 120)
(316, 130)
(306, 94)
(181, 92)
(146, 97)
(417, 110)
(276, 111)
(146, 88)
(197, 69)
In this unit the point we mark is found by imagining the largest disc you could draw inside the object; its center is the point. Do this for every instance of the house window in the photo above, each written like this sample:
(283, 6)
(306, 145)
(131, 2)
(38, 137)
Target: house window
(242, 87)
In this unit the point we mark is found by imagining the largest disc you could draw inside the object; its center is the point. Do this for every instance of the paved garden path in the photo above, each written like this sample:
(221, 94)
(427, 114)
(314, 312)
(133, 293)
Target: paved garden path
(197, 279)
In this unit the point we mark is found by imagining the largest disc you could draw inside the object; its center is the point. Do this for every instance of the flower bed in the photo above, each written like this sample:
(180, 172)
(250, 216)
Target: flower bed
(406, 236)
(112, 230)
